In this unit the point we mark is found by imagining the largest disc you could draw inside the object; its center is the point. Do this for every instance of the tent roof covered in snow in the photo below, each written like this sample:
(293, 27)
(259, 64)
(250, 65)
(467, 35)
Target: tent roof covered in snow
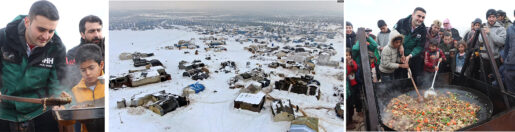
(304, 124)
(250, 98)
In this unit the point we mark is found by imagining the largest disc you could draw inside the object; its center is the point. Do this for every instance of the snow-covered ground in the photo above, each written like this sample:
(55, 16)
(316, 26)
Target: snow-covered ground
(210, 110)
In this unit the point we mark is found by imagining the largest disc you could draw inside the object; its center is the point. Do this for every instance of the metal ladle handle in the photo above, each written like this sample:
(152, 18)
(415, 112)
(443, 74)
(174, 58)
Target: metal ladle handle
(434, 78)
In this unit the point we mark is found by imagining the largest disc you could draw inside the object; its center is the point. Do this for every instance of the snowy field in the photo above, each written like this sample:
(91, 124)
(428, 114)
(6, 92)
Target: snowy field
(209, 110)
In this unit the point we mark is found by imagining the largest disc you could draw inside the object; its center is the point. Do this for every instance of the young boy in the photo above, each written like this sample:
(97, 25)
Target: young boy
(89, 92)
(446, 47)
(431, 59)
(391, 59)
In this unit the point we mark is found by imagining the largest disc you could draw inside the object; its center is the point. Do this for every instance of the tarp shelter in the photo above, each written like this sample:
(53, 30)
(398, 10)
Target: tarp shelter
(197, 87)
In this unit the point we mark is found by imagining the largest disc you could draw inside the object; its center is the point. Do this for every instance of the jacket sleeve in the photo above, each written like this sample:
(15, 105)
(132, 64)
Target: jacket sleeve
(373, 44)
(498, 37)
(58, 72)
(506, 46)
(355, 49)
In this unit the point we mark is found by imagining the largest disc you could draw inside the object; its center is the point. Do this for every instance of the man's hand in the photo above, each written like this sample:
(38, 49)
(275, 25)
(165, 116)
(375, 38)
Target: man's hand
(487, 30)
(407, 59)
(60, 107)
(65, 95)
(62, 95)
(403, 58)
(404, 65)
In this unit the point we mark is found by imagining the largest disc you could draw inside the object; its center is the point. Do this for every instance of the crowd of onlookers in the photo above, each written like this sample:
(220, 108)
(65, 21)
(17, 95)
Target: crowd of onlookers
(411, 47)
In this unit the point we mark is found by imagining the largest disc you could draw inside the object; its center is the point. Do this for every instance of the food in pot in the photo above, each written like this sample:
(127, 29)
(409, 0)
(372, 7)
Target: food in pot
(443, 112)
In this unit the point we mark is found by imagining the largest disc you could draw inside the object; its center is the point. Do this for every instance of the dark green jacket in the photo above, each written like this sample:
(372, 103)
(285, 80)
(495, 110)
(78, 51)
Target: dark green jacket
(372, 47)
(413, 41)
(34, 76)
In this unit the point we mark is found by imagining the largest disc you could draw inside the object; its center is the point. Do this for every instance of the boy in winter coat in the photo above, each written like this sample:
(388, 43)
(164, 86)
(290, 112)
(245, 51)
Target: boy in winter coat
(392, 58)
(431, 59)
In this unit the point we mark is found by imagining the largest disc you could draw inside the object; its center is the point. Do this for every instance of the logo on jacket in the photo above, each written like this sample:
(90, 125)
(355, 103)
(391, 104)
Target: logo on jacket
(47, 62)
(8, 56)
(419, 36)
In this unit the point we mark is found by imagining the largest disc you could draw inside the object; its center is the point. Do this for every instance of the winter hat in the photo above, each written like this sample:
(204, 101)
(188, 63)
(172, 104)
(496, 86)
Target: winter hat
(381, 23)
(437, 23)
(348, 23)
(490, 12)
(477, 21)
(501, 13)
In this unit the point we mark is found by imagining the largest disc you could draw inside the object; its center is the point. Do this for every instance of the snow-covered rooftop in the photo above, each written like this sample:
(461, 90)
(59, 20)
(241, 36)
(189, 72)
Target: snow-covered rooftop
(250, 97)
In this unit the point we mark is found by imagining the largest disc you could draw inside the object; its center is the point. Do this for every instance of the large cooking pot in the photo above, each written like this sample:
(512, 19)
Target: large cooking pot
(385, 91)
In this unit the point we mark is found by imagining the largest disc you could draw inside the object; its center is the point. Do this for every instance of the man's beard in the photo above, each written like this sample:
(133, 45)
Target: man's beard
(95, 40)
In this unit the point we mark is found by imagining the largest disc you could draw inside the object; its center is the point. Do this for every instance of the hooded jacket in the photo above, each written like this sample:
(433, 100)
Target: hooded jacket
(390, 58)
(34, 76)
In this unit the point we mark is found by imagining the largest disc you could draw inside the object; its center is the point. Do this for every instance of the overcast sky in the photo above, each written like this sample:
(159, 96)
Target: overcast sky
(70, 13)
(247, 8)
(366, 13)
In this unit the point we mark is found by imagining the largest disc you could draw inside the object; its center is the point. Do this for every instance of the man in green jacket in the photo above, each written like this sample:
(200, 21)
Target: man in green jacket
(32, 63)
(414, 31)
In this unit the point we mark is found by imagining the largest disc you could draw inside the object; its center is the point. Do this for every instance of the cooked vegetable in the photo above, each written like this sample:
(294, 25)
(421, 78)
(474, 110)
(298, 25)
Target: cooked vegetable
(444, 112)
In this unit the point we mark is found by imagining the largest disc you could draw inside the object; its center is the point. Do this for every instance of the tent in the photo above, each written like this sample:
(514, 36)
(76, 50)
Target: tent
(197, 87)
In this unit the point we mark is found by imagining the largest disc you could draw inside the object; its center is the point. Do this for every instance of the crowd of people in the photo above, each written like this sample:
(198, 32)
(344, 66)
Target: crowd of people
(411, 46)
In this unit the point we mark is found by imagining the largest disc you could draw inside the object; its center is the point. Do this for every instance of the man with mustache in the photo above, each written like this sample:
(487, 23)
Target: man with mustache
(32, 64)
(414, 31)
(90, 28)
(496, 35)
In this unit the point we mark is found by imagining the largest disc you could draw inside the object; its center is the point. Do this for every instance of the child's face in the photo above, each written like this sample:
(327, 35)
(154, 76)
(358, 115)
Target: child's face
(432, 48)
(447, 39)
(397, 44)
(90, 70)
(477, 26)
(347, 56)
(384, 28)
(461, 48)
